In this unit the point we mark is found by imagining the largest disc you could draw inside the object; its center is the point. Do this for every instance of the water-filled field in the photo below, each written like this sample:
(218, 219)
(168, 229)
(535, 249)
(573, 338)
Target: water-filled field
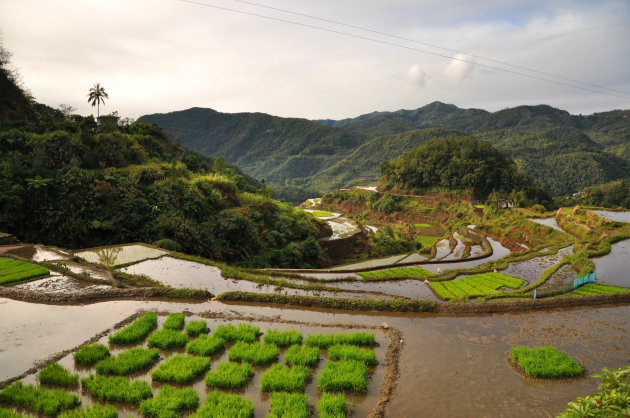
(118, 255)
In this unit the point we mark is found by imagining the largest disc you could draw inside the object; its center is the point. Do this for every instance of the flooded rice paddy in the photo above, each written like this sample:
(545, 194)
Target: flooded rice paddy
(532, 269)
(614, 216)
(122, 254)
(550, 222)
(36, 253)
(58, 283)
(613, 268)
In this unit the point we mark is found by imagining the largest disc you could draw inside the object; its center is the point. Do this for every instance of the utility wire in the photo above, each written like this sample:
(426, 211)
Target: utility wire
(198, 3)
(429, 44)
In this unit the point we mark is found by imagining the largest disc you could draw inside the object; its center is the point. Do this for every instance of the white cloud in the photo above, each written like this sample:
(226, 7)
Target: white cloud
(416, 76)
(459, 69)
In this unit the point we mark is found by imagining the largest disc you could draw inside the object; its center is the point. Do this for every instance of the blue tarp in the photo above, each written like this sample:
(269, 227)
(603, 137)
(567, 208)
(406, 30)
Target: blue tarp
(588, 278)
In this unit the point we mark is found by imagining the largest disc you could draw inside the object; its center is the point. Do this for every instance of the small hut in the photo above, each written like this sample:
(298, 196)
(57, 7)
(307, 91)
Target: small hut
(505, 204)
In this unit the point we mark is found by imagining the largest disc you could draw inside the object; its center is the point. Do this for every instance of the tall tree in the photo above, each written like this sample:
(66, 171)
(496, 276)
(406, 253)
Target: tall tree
(97, 96)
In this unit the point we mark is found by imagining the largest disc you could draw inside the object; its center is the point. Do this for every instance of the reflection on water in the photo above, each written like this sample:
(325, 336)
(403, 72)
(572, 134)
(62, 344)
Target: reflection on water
(614, 216)
(531, 270)
(37, 253)
(414, 289)
(58, 283)
(498, 251)
(123, 254)
(550, 222)
(613, 268)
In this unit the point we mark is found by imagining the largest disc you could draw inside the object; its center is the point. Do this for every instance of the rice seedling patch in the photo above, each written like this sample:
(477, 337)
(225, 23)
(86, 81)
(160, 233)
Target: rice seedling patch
(545, 362)
(225, 405)
(181, 368)
(13, 271)
(322, 214)
(302, 355)
(244, 332)
(253, 353)
(410, 272)
(56, 374)
(8, 413)
(135, 332)
(195, 328)
(230, 375)
(37, 399)
(326, 340)
(285, 379)
(174, 321)
(205, 345)
(90, 354)
(352, 352)
(282, 338)
(127, 362)
(166, 338)
(475, 286)
(422, 225)
(117, 388)
(332, 405)
(343, 376)
(598, 289)
(294, 405)
(94, 411)
(170, 402)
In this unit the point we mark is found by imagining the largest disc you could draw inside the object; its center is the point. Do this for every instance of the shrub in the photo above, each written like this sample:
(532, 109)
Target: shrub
(135, 332)
(225, 405)
(352, 352)
(169, 402)
(546, 362)
(347, 375)
(195, 328)
(205, 345)
(294, 405)
(55, 374)
(244, 332)
(166, 338)
(94, 411)
(117, 389)
(302, 355)
(282, 338)
(128, 362)
(45, 401)
(168, 244)
(230, 375)
(282, 378)
(332, 405)
(326, 340)
(181, 368)
(175, 321)
(90, 354)
(254, 353)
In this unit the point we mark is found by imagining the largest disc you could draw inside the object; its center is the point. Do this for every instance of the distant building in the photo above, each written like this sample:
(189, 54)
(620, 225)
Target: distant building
(505, 204)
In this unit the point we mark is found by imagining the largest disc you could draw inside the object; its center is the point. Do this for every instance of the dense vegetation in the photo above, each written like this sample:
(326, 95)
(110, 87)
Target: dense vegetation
(613, 194)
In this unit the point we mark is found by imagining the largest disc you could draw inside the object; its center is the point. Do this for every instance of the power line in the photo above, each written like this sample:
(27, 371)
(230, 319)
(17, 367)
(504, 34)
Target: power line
(400, 46)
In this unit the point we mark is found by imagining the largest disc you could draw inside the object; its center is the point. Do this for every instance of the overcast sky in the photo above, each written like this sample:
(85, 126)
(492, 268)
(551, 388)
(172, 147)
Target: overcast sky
(165, 55)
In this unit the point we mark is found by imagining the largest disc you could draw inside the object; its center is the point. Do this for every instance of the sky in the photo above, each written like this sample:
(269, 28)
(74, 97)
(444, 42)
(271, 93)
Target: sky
(158, 56)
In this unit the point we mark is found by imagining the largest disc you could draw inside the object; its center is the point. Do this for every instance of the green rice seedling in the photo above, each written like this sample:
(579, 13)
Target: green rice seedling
(205, 345)
(225, 405)
(195, 328)
(166, 338)
(294, 405)
(135, 332)
(174, 321)
(117, 389)
(8, 413)
(230, 375)
(254, 353)
(545, 362)
(302, 355)
(332, 405)
(282, 338)
(170, 402)
(398, 272)
(326, 340)
(128, 362)
(282, 378)
(598, 289)
(94, 411)
(90, 354)
(244, 332)
(45, 401)
(352, 352)
(321, 214)
(345, 375)
(13, 271)
(56, 374)
(181, 368)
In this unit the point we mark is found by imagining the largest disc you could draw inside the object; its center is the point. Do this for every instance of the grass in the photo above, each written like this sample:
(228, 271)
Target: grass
(321, 214)
(282, 338)
(326, 340)
(480, 206)
(90, 354)
(475, 286)
(598, 289)
(396, 273)
(8, 413)
(545, 362)
(302, 355)
(181, 368)
(352, 352)
(117, 389)
(175, 321)
(253, 353)
(166, 338)
(346, 375)
(422, 225)
(294, 405)
(225, 405)
(195, 328)
(205, 345)
(56, 374)
(230, 375)
(280, 378)
(244, 332)
(427, 242)
(128, 362)
(332, 405)
(44, 401)
(94, 411)
(170, 402)
(135, 332)
(13, 271)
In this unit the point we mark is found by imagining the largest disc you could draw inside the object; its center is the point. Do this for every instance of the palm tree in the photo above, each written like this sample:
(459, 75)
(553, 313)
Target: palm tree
(96, 96)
